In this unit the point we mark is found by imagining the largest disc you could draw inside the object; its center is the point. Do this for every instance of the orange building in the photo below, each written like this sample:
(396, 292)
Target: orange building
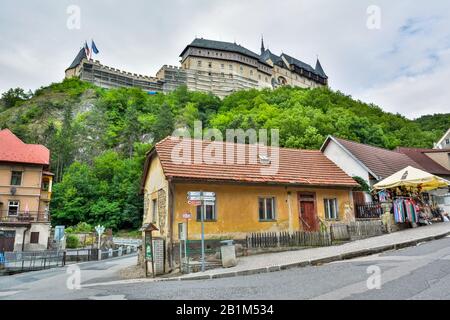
(25, 193)
(283, 190)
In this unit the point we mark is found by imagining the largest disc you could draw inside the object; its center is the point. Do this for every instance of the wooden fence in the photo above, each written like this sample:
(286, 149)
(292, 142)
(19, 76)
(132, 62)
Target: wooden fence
(286, 239)
(356, 230)
(337, 233)
(372, 210)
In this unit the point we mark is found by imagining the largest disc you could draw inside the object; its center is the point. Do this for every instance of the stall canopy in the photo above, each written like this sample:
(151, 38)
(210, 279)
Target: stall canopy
(414, 178)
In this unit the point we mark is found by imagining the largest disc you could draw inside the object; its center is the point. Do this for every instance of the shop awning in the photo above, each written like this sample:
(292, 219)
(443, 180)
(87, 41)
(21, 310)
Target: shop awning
(414, 178)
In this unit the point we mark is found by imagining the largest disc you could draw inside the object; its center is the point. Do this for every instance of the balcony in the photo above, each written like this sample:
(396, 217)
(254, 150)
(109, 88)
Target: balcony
(24, 218)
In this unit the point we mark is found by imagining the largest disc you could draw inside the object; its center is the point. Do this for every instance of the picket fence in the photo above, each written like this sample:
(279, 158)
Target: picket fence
(336, 233)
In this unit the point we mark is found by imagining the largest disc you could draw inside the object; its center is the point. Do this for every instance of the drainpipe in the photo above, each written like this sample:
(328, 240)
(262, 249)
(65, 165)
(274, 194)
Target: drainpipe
(291, 227)
(171, 195)
(23, 239)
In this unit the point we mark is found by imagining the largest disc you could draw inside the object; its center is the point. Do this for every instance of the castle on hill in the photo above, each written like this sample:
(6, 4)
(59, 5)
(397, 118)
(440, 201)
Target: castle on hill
(211, 66)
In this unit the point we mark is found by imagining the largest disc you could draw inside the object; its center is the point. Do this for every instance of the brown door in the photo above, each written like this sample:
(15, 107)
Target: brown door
(307, 214)
(7, 241)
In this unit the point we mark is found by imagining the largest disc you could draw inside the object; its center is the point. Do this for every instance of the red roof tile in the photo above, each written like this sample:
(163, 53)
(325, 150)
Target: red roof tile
(12, 149)
(381, 162)
(419, 156)
(296, 167)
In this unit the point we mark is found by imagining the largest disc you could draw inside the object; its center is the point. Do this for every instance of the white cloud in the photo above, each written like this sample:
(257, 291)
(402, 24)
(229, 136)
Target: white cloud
(404, 66)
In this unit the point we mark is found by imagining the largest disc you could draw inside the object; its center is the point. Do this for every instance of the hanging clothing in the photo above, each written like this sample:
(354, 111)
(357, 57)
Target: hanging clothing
(399, 211)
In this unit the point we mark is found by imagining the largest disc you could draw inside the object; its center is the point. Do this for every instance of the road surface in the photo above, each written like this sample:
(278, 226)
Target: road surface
(421, 272)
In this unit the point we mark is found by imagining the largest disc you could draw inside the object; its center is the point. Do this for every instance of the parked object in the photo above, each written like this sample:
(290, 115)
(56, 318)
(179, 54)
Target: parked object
(228, 254)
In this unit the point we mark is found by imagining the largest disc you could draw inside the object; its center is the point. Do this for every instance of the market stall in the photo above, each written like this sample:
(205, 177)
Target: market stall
(408, 192)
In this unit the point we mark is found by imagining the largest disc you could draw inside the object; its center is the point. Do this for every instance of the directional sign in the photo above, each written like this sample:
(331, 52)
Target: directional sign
(195, 203)
(209, 194)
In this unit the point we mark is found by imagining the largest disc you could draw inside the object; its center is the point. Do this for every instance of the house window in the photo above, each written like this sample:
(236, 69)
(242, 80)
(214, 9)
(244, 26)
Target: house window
(34, 238)
(331, 209)
(266, 209)
(154, 210)
(209, 211)
(45, 185)
(13, 208)
(16, 178)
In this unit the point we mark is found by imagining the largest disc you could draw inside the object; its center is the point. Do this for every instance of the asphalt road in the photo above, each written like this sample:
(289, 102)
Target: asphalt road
(421, 272)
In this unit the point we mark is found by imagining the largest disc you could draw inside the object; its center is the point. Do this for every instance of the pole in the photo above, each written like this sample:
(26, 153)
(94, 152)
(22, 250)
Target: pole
(99, 247)
(185, 246)
(202, 214)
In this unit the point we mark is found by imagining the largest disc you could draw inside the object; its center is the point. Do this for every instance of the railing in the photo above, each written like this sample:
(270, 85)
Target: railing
(369, 211)
(84, 255)
(14, 262)
(24, 217)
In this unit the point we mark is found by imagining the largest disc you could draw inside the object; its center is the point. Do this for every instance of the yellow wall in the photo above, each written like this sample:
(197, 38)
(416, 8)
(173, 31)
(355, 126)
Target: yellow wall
(237, 209)
(154, 185)
(29, 193)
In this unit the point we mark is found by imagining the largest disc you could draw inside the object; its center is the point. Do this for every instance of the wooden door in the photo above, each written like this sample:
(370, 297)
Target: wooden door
(7, 241)
(308, 214)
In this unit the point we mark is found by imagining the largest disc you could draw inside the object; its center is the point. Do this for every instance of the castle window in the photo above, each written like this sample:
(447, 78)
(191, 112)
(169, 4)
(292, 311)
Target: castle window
(259, 77)
(209, 74)
(251, 72)
(231, 76)
(199, 51)
(222, 74)
(231, 67)
(208, 53)
(223, 66)
(210, 64)
(199, 63)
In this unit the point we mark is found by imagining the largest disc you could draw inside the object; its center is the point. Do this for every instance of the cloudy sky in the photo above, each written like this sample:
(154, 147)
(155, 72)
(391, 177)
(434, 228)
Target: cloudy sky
(397, 57)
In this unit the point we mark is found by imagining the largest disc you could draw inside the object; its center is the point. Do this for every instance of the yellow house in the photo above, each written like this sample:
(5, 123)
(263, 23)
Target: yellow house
(274, 191)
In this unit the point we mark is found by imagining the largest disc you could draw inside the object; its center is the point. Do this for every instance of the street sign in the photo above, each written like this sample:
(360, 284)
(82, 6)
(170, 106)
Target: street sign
(187, 215)
(195, 203)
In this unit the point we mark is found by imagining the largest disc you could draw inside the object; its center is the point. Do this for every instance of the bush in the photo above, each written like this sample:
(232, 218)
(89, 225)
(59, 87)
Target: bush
(72, 242)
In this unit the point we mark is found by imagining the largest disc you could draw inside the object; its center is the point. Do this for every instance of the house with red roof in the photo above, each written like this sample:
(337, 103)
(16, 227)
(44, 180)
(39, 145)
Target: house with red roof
(25, 194)
(374, 164)
(255, 190)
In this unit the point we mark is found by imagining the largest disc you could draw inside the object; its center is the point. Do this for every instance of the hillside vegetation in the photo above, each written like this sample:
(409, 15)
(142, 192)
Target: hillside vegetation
(98, 138)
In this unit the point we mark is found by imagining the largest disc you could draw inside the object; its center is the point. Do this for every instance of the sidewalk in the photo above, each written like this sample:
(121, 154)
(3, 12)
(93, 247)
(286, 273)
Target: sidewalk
(272, 262)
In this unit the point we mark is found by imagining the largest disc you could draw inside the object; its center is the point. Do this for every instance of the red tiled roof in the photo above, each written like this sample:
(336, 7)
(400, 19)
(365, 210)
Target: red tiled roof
(12, 149)
(296, 167)
(419, 156)
(381, 162)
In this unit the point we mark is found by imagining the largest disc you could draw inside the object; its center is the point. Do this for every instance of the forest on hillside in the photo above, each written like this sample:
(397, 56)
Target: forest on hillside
(98, 138)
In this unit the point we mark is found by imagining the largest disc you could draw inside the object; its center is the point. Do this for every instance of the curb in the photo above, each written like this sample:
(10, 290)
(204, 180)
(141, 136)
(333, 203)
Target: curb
(315, 262)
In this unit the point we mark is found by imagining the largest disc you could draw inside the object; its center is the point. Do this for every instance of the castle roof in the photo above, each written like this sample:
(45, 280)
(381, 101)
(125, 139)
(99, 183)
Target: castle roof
(80, 56)
(319, 69)
(223, 46)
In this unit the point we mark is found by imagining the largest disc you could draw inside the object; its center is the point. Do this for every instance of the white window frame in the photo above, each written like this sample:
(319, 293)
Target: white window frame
(273, 214)
(11, 203)
(331, 208)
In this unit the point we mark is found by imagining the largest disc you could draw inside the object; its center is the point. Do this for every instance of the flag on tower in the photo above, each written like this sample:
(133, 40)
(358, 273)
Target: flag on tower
(87, 50)
(94, 47)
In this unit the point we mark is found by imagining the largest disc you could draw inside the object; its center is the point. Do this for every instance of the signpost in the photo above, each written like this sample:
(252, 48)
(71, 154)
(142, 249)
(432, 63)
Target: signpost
(202, 199)
(148, 247)
(100, 230)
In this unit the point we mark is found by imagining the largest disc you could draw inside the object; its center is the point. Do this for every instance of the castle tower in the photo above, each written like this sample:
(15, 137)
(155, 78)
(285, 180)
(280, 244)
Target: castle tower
(263, 49)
